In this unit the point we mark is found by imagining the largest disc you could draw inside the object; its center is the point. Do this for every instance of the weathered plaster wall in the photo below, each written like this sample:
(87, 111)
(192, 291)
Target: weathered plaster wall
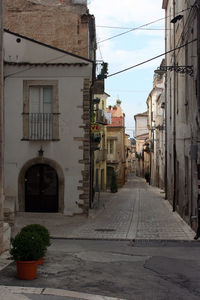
(62, 24)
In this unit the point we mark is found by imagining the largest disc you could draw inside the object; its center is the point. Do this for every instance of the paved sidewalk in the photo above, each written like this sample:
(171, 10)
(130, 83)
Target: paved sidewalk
(137, 211)
(31, 293)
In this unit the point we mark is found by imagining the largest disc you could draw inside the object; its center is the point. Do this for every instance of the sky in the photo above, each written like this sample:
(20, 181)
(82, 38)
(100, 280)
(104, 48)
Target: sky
(131, 87)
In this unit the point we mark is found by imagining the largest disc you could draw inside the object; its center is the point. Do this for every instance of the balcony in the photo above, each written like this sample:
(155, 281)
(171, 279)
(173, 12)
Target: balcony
(101, 117)
(95, 140)
(40, 126)
(101, 155)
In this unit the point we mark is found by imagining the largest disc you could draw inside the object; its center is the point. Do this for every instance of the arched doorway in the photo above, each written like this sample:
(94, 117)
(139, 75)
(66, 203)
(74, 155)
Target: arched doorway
(41, 189)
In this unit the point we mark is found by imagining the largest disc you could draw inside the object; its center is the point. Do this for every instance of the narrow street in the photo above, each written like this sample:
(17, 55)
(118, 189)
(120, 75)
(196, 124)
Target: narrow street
(137, 211)
(134, 247)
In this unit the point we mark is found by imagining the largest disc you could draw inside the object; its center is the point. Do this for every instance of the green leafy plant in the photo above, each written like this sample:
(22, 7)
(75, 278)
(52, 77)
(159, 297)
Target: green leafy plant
(113, 185)
(40, 230)
(27, 246)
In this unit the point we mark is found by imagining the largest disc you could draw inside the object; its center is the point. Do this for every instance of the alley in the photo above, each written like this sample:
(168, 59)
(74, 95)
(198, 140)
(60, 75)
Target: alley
(137, 211)
(132, 238)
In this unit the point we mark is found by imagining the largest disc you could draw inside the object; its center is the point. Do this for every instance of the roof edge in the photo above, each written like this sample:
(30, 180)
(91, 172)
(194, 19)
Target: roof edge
(164, 4)
(46, 45)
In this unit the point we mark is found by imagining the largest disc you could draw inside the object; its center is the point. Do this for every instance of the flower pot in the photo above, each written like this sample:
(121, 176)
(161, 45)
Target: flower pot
(40, 261)
(27, 270)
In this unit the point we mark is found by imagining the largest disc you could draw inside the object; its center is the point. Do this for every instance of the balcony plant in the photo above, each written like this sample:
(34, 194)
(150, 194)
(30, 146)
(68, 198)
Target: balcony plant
(26, 249)
(42, 232)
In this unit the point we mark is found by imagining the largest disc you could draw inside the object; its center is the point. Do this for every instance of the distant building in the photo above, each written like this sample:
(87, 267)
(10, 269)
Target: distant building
(141, 136)
(155, 145)
(116, 161)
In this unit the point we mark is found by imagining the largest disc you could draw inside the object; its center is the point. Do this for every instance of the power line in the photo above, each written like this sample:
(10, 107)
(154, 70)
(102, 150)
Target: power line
(136, 28)
(115, 27)
(153, 58)
(125, 32)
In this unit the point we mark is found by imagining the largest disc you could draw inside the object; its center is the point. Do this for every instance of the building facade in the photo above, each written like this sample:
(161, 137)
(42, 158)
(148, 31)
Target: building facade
(182, 108)
(65, 24)
(155, 145)
(100, 154)
(47, 121)
(116, 160)
(141, 137)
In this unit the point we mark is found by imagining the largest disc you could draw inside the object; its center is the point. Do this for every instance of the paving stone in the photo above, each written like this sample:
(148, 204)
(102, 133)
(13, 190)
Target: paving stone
(137, 211)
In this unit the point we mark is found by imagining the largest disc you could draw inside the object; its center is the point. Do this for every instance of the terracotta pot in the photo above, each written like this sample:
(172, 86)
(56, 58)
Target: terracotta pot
(27, 270)
(40, 261)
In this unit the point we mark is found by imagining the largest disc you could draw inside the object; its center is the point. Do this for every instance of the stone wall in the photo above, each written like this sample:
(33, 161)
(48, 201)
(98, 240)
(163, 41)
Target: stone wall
(85, 182)
(58, 23)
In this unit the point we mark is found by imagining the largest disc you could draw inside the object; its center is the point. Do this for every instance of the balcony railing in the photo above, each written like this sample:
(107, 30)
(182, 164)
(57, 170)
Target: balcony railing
(101, 117)
(101, 155)
(40, 126)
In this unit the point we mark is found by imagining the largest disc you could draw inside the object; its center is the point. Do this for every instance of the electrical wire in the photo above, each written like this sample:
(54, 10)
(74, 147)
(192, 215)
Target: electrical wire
(114, 27)
(141, 26)
(153, 58)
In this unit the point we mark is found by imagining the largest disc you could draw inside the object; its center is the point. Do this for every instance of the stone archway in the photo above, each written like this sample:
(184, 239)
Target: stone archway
(21, 181)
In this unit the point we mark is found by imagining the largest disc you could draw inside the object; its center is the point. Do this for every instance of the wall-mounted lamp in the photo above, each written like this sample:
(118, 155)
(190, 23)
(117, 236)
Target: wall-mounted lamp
(41, 152)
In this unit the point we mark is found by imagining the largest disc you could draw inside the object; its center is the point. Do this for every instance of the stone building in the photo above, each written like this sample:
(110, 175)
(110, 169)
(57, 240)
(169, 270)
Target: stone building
(141, 136)
(47, 123)
(64, 24)
(100, 133)
(155, 145)
(182, 107)
(116, 160)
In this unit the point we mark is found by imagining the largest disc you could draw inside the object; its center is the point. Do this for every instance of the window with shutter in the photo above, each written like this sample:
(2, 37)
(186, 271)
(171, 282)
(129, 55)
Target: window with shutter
(40, 115)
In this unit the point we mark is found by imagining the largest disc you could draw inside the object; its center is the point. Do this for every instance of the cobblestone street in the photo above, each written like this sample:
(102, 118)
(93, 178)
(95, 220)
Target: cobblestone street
(131, 238)
(137, 211)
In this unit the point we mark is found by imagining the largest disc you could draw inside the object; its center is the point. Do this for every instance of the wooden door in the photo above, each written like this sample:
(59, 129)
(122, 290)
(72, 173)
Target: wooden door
(41, 189)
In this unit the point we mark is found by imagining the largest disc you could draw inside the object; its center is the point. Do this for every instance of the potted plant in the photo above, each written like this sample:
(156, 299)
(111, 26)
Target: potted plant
(26, 249)
(42, 232)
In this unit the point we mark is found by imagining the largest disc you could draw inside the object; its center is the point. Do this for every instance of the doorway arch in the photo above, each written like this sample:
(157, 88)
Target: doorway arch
(31, 186)
(41, 189)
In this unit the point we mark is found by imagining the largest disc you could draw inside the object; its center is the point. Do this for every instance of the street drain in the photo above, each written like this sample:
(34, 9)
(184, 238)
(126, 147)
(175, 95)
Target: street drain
(105, 230)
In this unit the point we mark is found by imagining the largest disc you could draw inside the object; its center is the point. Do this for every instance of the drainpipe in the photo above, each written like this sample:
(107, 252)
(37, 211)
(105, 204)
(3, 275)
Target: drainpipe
(174, 123)
(91, 194)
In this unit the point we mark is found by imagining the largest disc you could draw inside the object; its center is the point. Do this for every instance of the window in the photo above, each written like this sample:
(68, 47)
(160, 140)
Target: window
(40, 115)
(110, 146)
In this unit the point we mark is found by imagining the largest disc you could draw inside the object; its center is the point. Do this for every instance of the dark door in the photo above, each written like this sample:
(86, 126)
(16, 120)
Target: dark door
(41, 189)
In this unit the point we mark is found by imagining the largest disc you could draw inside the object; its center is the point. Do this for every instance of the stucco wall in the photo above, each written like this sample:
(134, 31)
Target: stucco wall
(66, 152)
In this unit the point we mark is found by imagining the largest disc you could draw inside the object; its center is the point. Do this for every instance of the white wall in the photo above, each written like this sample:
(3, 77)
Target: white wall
(65, 152)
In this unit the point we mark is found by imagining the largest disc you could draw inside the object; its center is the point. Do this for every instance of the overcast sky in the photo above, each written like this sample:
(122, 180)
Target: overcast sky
(131, 87)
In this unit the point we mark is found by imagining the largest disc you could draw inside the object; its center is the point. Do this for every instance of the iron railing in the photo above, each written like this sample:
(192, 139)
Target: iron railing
(40, 126)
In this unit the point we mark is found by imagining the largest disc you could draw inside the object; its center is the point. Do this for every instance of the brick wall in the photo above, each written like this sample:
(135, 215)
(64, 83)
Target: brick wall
(55, 22)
